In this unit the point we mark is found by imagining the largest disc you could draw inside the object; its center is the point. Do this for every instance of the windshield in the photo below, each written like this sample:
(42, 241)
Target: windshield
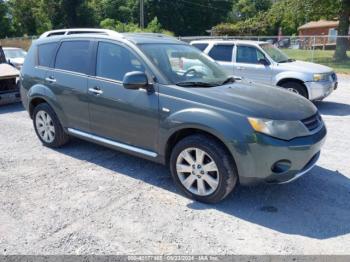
(184, 65)
(276, 54)
(15, 53)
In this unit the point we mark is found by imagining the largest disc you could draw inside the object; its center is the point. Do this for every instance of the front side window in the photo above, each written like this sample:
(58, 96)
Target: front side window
(249, 55)
(73, 56)
(46, 53)
(114, 61)
(184, 64)
(221, 53)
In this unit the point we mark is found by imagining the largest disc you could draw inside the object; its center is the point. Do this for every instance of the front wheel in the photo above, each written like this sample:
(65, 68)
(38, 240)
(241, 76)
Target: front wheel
(296, 88)
(203, 169)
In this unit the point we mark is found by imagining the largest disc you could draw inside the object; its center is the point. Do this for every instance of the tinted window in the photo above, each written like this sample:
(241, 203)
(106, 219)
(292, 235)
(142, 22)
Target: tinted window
(73, 56)
(201, 46)
(46, 53)
(248, 54)
(221, 53)
(114, 61)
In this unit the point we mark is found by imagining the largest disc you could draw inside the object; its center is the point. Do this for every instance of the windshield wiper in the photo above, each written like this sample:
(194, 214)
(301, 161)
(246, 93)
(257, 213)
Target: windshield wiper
(287, 60)
(195, 84)
(229, 80)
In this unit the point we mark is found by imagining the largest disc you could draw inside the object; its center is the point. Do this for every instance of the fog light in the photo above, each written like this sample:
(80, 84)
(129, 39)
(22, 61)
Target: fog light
(281, 166)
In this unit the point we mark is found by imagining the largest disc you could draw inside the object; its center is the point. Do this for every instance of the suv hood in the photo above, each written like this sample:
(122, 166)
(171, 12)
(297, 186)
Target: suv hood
(256, 100)
(304, 67)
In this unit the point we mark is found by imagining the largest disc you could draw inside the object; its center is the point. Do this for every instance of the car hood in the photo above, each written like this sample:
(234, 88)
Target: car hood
(256, 100)
(304, 67)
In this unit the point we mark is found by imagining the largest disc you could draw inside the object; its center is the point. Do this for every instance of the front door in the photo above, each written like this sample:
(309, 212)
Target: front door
(125, 116)
(247, 65)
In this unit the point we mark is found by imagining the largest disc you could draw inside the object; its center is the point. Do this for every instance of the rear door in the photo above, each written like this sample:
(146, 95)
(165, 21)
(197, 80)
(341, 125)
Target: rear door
(127, 116)
(68, 81)
(222, 53)
(247, 64)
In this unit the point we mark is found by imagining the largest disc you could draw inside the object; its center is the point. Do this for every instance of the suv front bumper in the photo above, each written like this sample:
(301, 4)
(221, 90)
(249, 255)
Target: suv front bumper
(321, 89)
(258, 162)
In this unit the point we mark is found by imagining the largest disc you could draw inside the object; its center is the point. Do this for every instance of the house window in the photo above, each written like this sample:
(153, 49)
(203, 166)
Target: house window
(332, 35)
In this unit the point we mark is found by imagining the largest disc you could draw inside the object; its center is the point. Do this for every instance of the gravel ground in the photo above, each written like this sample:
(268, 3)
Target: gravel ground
(85, 199)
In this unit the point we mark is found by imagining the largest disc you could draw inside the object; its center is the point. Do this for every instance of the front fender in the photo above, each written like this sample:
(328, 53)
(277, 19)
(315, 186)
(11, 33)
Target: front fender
(290, 75)
(229, 129)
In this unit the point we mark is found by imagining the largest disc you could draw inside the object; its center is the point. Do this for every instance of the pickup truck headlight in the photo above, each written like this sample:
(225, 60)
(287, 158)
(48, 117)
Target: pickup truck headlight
(281, 129)
(321, 77)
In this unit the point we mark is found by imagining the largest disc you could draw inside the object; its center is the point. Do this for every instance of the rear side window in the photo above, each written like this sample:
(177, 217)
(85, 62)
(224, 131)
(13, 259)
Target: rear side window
(73, 56)
(200, 46)
(114, 61)
(221, 53)
(46, 53)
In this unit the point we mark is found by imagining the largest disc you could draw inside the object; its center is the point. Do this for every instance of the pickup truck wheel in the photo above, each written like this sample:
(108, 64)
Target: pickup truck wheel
(203, 169)
(47, 126)
(296, 88)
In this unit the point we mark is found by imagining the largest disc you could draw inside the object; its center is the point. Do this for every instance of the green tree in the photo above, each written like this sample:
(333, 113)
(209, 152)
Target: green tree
(343, 29)
(245, 9)
(5, 24)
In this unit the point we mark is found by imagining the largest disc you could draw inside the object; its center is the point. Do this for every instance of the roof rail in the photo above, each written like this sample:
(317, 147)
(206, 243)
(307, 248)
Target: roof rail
(74, 31)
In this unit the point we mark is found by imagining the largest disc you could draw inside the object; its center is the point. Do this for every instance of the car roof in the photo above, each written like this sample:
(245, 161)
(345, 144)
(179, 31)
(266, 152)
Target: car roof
(231, 41)
(136, 38)
(11, 48)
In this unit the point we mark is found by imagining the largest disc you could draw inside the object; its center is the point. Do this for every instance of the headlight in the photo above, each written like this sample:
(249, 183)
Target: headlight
(321, 77)
(281, 129)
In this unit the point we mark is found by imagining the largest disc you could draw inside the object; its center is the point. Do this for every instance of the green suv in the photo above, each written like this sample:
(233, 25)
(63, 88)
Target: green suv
(161, 99)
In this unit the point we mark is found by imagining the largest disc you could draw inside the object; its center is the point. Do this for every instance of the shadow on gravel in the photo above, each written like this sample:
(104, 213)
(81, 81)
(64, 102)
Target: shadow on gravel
(333, 108)
(11, 108)
(316, 206)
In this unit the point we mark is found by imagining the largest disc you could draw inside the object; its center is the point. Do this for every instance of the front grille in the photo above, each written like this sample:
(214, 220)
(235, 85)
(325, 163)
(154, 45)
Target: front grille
(312, 122)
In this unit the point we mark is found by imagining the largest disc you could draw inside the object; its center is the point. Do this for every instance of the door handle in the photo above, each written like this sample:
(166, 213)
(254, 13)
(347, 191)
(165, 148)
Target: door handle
(96, 90)
(50, 79)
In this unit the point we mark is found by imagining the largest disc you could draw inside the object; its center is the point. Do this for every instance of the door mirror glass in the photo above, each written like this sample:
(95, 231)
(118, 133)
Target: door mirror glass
(264, 61)
(135, 80)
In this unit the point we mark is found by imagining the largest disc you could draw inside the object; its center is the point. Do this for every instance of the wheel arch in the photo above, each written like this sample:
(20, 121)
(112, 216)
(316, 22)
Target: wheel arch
(293, 80)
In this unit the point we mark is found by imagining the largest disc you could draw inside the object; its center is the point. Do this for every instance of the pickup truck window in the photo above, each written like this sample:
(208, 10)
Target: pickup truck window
(114, 61)
(221, 53)
(200, 46)
(249, 55)
(46, 53)
(73, 56)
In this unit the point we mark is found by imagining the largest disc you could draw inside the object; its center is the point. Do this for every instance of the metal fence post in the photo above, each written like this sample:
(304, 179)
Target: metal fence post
(313, 49)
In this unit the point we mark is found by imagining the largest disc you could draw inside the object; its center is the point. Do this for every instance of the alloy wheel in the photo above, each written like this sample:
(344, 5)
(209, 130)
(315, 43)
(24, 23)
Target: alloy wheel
(197, 171)
(45, 126)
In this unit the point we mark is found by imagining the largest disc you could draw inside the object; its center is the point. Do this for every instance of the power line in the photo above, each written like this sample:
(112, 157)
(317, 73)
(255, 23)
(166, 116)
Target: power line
(202, 5)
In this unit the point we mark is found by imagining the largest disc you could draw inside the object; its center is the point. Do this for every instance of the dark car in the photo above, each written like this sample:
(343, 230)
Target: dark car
(133, 93)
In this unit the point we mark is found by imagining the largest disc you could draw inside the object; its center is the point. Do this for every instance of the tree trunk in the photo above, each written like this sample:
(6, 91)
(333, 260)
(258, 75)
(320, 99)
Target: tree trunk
(343, 30)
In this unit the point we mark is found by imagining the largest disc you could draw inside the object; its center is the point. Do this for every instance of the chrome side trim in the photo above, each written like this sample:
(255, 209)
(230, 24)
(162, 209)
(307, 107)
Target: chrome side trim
(112, 143)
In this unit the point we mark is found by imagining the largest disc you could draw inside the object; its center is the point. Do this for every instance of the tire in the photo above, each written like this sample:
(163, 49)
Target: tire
(296, 88)
(46, 122)
(225, 178)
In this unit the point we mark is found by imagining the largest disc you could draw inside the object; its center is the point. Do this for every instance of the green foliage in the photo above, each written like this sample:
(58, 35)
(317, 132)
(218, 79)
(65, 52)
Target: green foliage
(245, 9)
(5, 23)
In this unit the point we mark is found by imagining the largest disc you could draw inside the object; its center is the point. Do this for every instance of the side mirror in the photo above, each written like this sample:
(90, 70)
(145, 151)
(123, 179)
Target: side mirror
(135, 80)
(264, 61)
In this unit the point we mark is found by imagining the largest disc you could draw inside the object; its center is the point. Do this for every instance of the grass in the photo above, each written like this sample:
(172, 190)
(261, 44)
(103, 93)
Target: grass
(324, 57)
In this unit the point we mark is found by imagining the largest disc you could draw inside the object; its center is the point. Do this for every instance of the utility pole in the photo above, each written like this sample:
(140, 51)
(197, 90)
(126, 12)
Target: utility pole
(142, 14)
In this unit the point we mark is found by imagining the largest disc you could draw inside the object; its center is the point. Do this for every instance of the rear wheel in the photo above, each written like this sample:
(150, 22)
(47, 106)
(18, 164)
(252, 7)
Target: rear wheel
(296, 88)
(203, 169)
(47, 126)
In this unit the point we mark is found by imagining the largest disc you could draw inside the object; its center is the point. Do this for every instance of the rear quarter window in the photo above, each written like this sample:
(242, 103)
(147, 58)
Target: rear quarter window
(46, 53)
